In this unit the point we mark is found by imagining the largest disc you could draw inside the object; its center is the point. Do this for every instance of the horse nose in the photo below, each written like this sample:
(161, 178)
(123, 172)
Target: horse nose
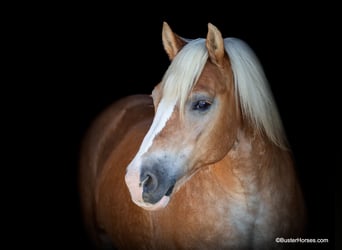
(155, 183)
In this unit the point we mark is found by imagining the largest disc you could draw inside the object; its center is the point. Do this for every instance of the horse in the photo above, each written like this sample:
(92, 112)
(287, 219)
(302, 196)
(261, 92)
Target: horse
(201, 163)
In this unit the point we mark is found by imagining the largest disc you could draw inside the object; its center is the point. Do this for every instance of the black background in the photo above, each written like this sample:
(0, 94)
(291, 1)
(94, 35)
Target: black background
(76, 59)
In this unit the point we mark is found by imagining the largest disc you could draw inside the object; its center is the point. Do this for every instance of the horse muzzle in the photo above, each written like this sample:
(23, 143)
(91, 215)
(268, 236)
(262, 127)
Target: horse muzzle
(156, 183)
(150, 186)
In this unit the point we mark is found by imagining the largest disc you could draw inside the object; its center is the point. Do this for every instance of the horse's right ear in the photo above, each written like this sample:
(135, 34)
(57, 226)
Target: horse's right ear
(171, 41)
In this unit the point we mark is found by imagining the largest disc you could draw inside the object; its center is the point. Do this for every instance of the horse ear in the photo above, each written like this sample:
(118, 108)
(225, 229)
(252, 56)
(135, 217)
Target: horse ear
(215, 45)
(171, 41)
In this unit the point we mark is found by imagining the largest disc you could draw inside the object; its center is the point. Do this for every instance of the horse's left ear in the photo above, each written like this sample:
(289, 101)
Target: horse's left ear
(215, 45)
(171, 41)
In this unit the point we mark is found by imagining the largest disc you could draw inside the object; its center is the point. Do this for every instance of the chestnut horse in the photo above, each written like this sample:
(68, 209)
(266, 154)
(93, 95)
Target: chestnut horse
(202, 163)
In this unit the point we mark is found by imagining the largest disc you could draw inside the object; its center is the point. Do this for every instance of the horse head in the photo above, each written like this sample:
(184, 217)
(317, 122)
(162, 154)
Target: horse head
(196, 118)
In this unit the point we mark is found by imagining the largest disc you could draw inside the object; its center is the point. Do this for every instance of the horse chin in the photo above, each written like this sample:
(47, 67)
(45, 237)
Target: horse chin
(162, 203)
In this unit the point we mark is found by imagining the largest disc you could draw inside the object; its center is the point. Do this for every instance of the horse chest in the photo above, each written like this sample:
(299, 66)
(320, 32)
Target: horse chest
(204, 221)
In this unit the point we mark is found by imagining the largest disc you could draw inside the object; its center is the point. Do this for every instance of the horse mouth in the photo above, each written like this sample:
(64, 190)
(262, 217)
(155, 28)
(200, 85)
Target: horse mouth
(169, 191)
(162, 203)
(155, 197)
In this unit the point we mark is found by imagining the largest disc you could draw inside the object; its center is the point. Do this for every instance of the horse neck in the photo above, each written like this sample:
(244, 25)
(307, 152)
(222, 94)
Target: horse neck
(256, 161)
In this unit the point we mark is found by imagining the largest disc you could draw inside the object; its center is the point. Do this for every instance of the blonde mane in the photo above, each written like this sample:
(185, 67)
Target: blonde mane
(252, 88)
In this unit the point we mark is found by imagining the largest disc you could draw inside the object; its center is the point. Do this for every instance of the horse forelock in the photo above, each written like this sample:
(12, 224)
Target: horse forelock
(184, 71)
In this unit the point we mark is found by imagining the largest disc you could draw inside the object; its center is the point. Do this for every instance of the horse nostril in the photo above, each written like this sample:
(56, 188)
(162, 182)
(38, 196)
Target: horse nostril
(149, 182)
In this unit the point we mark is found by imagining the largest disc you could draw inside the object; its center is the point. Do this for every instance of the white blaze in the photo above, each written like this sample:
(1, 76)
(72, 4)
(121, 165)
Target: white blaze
(132, 178)
(164, 112)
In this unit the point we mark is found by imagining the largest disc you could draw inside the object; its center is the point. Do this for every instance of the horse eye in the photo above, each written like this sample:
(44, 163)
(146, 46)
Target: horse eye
(201, 105)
